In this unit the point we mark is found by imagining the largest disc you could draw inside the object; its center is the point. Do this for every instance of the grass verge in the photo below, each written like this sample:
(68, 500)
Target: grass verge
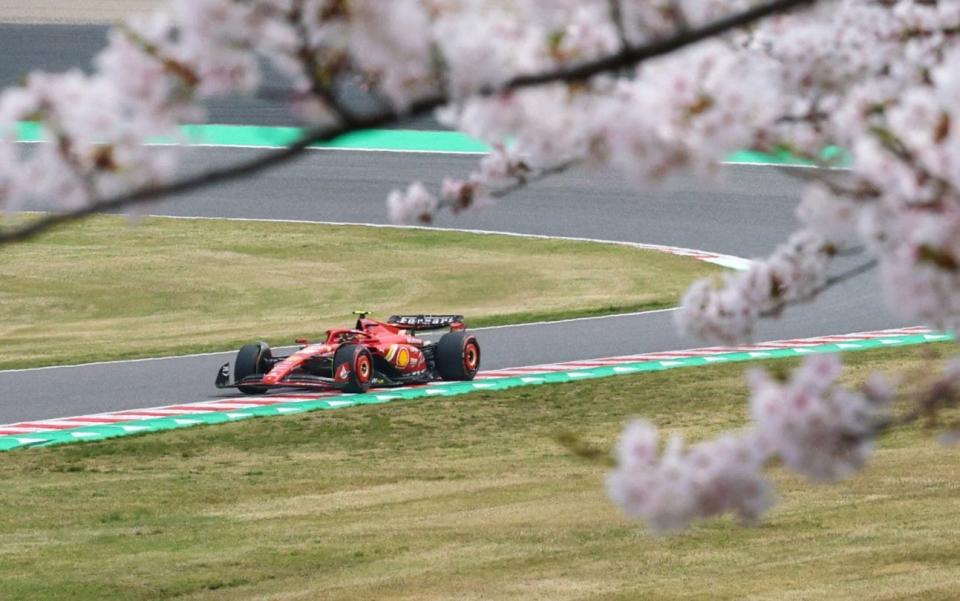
(464, 498)
(103, 289)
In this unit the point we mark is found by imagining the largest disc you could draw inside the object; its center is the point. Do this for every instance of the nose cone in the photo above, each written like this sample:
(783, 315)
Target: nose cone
(273, 377)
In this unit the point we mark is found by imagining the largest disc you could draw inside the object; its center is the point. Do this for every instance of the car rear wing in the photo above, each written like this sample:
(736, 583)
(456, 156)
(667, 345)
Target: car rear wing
(428, 322)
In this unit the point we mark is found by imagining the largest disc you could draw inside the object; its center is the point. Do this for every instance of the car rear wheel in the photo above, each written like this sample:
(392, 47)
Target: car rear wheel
(458, 356)
(252, 359)
(353, 364)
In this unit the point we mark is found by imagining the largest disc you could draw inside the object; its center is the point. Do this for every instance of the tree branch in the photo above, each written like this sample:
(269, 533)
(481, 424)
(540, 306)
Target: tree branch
(533, 177)
(635, 55)
(862, 191)
(625, 58)
(829, 283)
(521, 179)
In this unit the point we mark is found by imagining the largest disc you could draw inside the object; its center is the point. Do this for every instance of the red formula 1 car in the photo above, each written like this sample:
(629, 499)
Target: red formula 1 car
(373, 353)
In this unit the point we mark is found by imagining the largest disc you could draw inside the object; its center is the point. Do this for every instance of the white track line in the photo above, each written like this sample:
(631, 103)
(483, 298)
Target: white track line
(118, 361)
(575, 319)
(724, 260)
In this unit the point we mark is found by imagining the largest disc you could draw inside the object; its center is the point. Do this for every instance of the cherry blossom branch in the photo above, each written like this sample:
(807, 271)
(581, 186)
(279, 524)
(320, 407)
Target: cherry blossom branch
(627, 57)
(807, 421)
(830, 282)
(533, 177)
(498, 177)
(862, 190)
(635, 55)
(940, 393)
(185, 185)
(727, 309)
(315, 71)
(928, 401)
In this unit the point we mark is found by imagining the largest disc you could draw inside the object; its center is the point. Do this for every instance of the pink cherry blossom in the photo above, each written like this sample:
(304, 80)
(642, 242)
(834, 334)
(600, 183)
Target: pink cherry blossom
(726, 310)
(415, 205)
(670, 490)
(815, 427)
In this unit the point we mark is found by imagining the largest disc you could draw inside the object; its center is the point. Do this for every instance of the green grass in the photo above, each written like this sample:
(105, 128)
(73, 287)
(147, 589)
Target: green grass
(464, 498)
(105, 289)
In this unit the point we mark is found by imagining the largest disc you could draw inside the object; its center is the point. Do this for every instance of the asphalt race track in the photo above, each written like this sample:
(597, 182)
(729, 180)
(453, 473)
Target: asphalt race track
(746, 213)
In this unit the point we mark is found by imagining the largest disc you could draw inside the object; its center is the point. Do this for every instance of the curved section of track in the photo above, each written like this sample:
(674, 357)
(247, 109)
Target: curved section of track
(745, 213)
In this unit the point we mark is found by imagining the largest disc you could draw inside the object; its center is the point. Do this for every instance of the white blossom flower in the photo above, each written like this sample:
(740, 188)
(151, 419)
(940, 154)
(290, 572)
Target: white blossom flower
(815, 427)
(834, 218)
(726, 311)
(414, 205)
(669, 491)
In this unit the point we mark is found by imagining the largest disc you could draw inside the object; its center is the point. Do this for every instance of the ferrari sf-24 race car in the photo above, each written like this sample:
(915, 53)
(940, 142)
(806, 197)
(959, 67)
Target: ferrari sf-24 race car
(373, 353)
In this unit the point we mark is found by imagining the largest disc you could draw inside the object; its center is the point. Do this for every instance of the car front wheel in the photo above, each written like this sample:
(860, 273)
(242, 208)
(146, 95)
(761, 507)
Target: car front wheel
(353, 364)
(252, 359)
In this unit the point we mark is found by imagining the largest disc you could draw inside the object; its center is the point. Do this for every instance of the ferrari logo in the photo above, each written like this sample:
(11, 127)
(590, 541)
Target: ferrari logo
(399, 355)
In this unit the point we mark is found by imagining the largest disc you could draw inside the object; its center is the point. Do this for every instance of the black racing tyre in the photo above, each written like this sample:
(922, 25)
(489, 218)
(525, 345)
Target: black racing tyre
(359, 364)
(252, 359)
(458, 356)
